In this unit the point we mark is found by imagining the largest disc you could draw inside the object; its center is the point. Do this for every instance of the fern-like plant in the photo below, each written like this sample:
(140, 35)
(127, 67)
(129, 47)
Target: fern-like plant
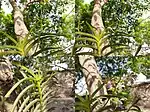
(35, 95)
(89, 103)
(97, 43)
(24, 46)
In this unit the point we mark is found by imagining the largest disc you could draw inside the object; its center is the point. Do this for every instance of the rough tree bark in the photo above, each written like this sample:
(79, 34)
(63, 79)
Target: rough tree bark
(6, 73)
(20, 28)
(92, 76)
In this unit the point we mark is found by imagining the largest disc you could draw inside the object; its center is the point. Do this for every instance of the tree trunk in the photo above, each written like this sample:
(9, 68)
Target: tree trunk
(97, 21)
(91, 73)
(20, 28)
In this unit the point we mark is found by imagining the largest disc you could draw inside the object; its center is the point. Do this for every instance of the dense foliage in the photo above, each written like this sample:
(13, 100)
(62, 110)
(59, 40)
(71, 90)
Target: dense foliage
(127, 30)
(57, 35)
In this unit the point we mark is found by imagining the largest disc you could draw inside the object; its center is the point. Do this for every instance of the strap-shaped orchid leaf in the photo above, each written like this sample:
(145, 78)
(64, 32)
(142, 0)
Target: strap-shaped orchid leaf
(3, 53)
(20, 96)
(85, 39)
(107, 46)
(97, 90)
(24, 104)
(86, 34)
(45, 49)
(8, 36)
(30, 105)
(15, 86)
(82, 46)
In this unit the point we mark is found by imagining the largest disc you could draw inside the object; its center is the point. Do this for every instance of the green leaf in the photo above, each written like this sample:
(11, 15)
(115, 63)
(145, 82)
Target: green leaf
(45, 95)
(94, 105)
(8, 52)
(30, 105)
(11, 38)
(20, 95)
(45, 49)
(28, 70)
(80, 97)
(9, 46)
(83, 106)
(23, 104)
(117, 45)
(37, 108)
(107, 107)
(82, 45)
(86, 34)
(30, 46)
(85, 39)
(97, 90)
(112, 51)
(87, 53)
(15, 86)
